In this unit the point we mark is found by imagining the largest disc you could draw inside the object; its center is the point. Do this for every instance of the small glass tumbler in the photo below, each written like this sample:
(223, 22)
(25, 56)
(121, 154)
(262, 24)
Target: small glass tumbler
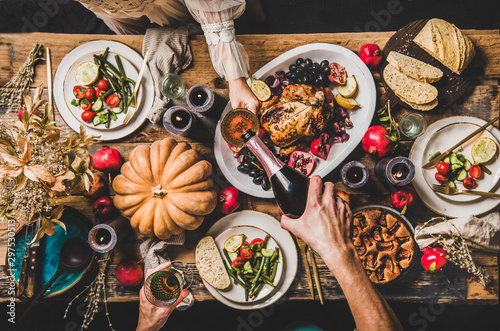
(171, 85)
(163, 287)
(413, 125)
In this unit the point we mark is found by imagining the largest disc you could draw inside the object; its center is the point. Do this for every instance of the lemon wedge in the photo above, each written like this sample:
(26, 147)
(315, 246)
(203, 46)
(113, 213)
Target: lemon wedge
(349, 88)
(347, 103)
(86, 73)
(260, 89)
(483, 150)
(234, 242)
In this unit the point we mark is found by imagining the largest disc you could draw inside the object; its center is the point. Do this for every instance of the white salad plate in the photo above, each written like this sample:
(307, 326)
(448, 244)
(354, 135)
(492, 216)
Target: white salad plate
(64, 82)
(235, 292)
(288, 255)
(361, 116)
(446, 137)
(434, 201)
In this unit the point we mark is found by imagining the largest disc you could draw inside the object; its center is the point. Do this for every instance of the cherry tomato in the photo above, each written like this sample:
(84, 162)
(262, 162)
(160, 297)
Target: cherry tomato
(89, 94)
(469, 182)
(99, 92)
(88, 115)
(257, 244)
(113, 101)
(338, 74)
(238, 262)
(78, 91)
(440, 178)
(475, 171)
(85, 104)
(103, 85)
(246, 252)
(443, 168)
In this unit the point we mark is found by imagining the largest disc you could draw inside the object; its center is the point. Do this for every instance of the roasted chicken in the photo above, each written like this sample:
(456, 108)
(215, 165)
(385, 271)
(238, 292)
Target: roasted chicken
(300, 111)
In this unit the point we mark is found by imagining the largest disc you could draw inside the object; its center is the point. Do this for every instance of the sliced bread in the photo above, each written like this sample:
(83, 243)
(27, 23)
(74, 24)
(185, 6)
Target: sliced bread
(210, 264)
(423, 107)
(416, 69)
(407, 87)
(447, 44)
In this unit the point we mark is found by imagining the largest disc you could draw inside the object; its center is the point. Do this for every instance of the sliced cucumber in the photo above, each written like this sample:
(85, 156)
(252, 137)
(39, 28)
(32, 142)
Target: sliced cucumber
(97, 105)
(454, 159)
(461, 176)
(112, 116)
(233, 255)
(455, 166)
(116, 110)
(103, 112)
(96, 120)
(447, 159)
(450, 184)
(461, 158)
(467, 165)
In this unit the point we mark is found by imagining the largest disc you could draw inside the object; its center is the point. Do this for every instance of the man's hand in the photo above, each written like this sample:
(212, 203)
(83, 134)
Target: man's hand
(326, 223)
(152, 317)
(241, 95)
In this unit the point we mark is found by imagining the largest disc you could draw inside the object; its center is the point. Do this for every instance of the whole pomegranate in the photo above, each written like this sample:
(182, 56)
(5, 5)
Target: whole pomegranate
(371, 55)
(229, 200)
(376, 143)
(107, 160)
(129, 273)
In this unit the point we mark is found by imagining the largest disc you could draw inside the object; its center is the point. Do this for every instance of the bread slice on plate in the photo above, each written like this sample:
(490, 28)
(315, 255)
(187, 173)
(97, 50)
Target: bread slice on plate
(210, 264)
(423, 107)
(407, 87)
(416, 69)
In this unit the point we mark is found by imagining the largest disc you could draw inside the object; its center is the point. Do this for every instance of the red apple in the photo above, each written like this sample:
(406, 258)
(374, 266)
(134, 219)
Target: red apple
(403, 198)
(129, 273)
(103, 207)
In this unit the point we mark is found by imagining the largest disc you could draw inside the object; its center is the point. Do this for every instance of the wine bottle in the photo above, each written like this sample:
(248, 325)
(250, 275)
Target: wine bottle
(290, 186)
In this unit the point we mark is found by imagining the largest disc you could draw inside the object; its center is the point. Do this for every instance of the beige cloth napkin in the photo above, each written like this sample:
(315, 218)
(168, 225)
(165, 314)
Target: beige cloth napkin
(169, 51)
(154, 250)
(479, 233)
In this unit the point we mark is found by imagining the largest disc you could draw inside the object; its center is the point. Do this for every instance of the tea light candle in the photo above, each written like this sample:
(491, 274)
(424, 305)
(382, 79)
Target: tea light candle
(398, 171)
(200, 98)
(178, 120)
(354, 174)
(103, 238)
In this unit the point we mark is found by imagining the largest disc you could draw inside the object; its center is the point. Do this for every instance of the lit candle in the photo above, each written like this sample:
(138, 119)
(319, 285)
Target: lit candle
(398, 171)
(178, 120)
(200, 98)
(354, 174)
(103, 237)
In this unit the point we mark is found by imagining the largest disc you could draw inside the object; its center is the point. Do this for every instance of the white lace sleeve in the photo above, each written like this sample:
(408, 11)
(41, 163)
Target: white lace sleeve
(216, 18)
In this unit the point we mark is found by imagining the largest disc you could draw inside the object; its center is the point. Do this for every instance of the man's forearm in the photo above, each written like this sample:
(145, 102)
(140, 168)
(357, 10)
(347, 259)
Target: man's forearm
(370, 310)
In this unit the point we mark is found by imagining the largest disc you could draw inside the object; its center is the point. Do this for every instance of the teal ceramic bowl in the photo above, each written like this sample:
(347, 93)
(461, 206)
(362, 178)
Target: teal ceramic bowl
(77, 225)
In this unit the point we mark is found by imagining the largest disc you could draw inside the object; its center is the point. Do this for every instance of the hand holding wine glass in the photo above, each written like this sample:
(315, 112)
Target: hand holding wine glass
(326, 223)
(152, 317)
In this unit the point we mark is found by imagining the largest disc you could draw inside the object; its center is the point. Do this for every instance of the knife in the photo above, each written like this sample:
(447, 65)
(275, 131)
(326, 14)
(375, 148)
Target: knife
(441, 156)
(33, 269)
(303, 249)
(317, 281)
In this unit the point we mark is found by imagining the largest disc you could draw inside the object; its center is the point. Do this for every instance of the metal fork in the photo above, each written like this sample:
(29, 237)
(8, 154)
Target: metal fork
(452, 191)
(133, 104)
(303, 250)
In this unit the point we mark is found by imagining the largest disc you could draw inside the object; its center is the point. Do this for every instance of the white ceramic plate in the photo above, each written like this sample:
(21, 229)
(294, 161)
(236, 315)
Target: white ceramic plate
(361, 117)
(432, 200)
(70, 82)
(61, 85)
(282, 237)
(446, 137)
(235, 292)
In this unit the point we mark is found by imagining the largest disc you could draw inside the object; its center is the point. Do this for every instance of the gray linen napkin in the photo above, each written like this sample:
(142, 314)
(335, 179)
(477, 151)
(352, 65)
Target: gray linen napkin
(479, 233)
(154, 250)
(169, 51)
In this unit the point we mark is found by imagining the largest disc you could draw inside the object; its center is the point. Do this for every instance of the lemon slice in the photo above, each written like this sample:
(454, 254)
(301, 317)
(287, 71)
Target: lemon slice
(349, 88)
(483, 150)
(260, 89)
(86, 73)
(234, 242)
(347, 103)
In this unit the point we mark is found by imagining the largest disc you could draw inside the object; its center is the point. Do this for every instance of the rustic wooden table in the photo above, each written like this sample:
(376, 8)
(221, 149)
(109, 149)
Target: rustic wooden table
(482, 101)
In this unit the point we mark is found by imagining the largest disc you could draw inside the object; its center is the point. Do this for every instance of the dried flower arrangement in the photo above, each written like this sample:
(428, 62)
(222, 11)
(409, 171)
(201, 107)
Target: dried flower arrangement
(458, 251)
(35, 167)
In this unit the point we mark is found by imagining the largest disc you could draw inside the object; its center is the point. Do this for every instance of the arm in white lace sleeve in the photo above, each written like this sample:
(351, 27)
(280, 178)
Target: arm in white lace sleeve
(216, 18)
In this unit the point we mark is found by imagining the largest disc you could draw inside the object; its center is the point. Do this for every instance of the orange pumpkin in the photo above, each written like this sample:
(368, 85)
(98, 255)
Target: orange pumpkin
(165, 189)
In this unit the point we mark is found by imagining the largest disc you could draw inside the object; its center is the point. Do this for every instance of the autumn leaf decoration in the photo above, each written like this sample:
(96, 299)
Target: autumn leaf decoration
(35, 167)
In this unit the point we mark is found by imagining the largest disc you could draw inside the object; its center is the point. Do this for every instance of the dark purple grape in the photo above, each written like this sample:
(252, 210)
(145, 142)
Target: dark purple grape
(326, 70)
(308, 63)
(300, 73)
(303, 66)
(243, 169)
(288, 74)
(253, 173)
(324, 64)
(265, 184)
(307, 80)
(301, 80)
(299, 61)
(316, 68)
(257, 180)
(292, 68)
